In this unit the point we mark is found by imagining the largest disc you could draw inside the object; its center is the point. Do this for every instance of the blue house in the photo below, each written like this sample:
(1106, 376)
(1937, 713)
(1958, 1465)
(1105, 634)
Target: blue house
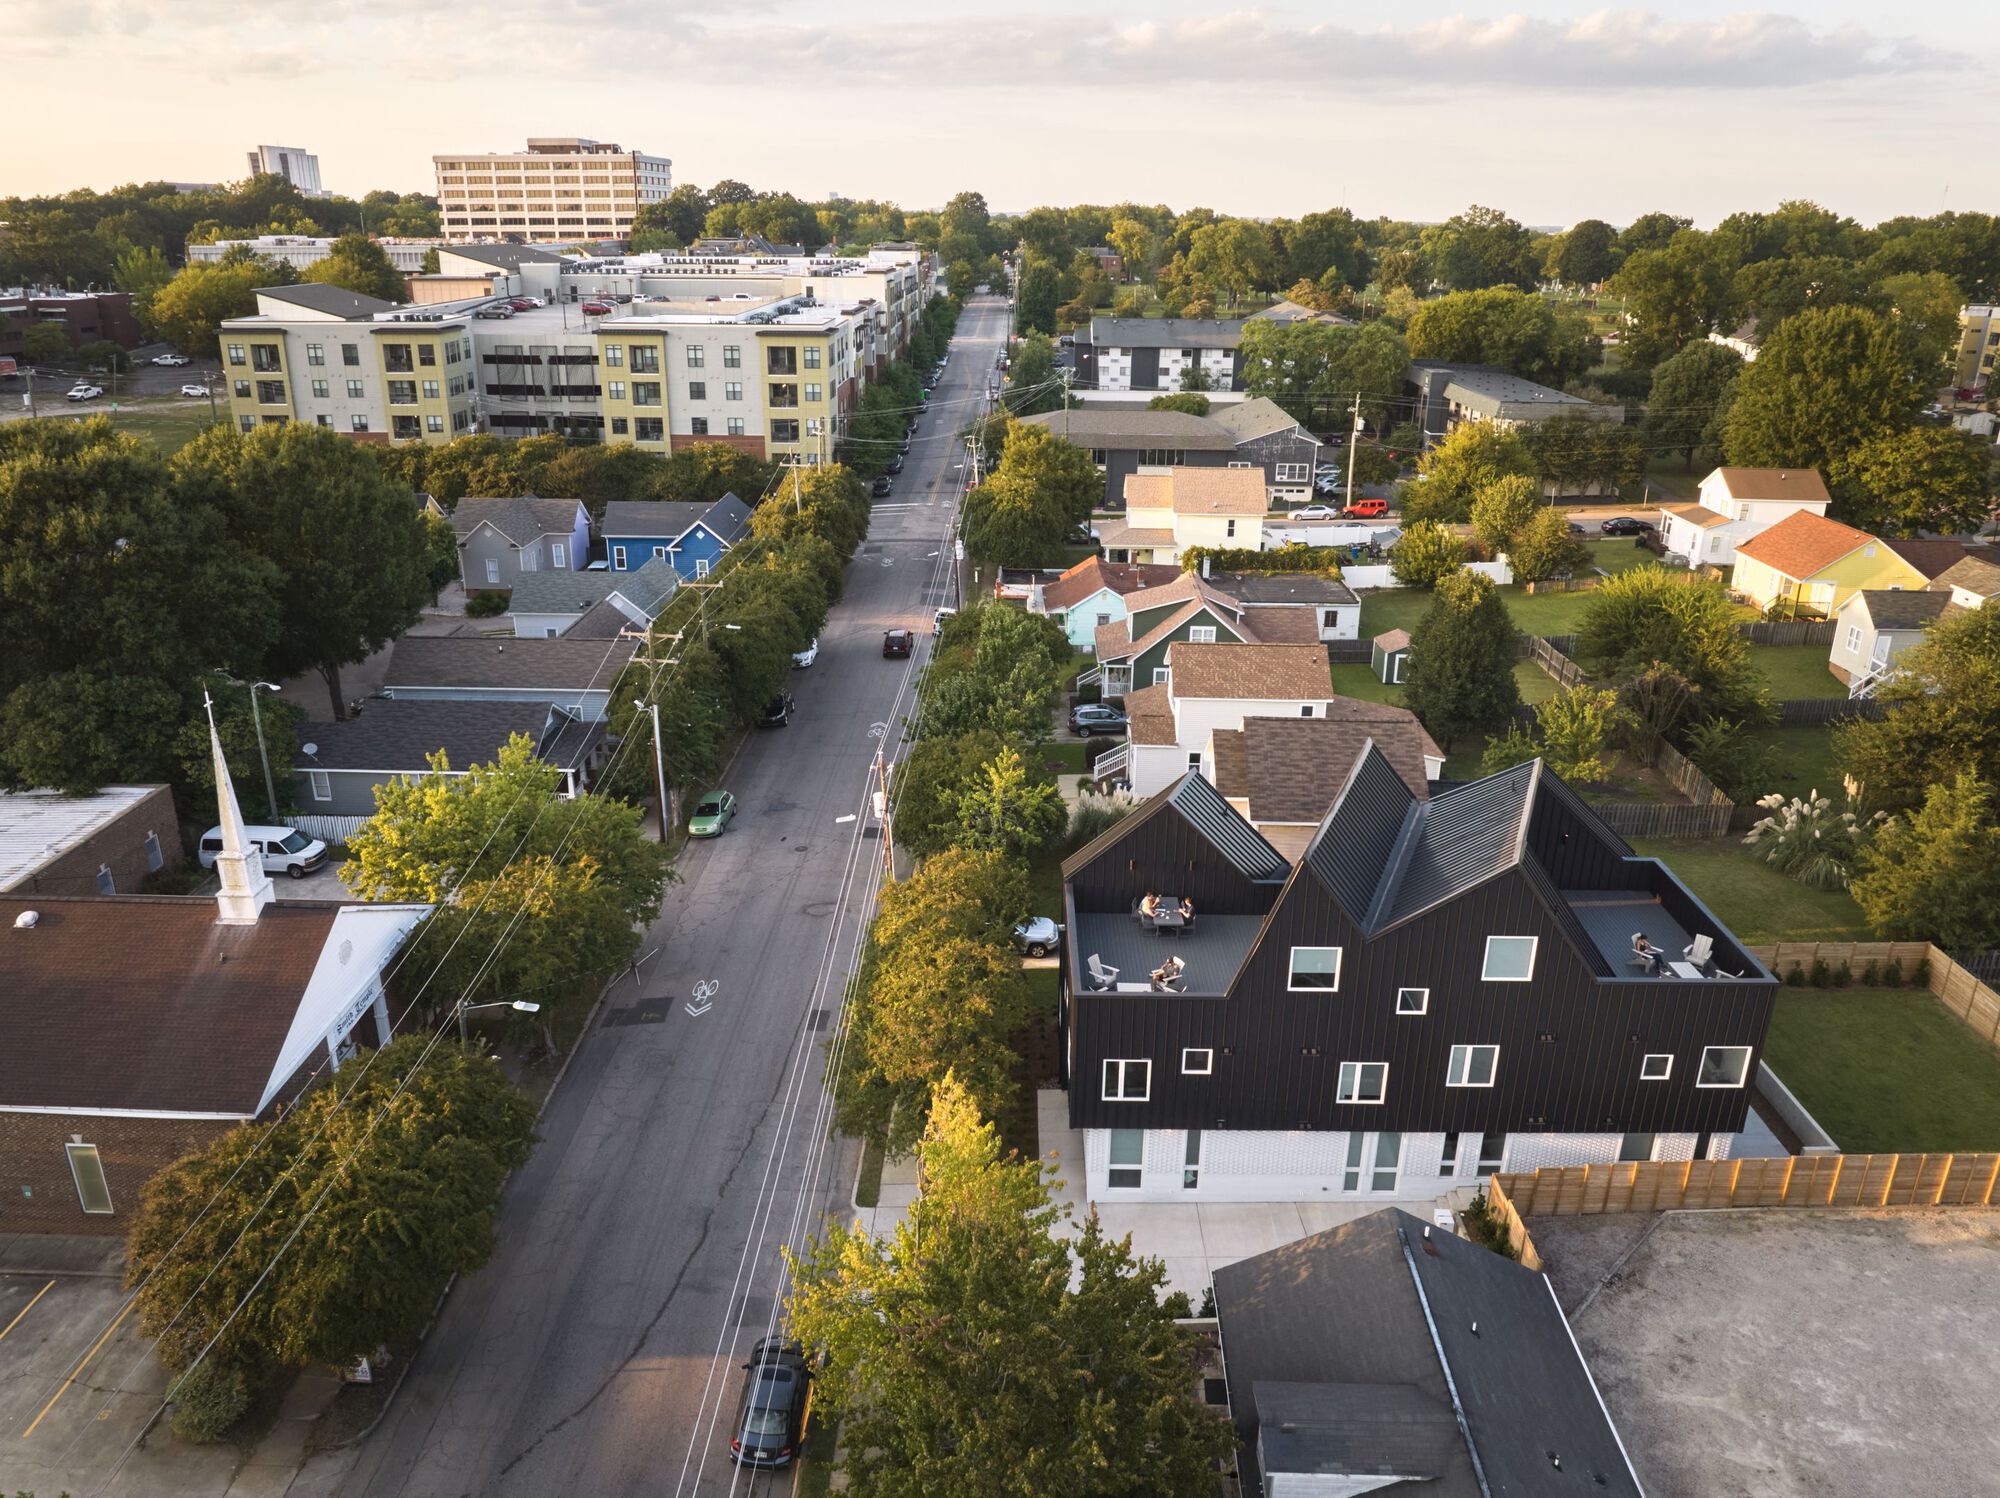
(689, 535)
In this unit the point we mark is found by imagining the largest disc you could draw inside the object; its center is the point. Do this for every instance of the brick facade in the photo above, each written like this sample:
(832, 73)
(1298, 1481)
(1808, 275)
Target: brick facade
(37, 1192)
(120, 845)
(86, 318)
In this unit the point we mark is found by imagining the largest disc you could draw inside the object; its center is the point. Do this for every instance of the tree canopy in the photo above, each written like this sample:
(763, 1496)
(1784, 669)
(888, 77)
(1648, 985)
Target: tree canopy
(1823, 384)
(1929, 875)
(1462, 656)
(1942, 713)
(1648, 616)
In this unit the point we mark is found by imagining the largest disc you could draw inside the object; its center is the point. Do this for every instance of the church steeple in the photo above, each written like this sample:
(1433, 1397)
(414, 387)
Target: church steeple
(246, 888)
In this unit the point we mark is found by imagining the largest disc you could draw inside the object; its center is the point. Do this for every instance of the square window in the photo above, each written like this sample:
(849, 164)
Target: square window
(433, 423)
(1128, 1081)
(1201, 634)
(1413, 1000)
(1364, 1081)
(698, 426)
(614, 356)
(697, 390)
(733, 426)
(1723, 1066)
(732, 390)
(1198, 1061)
(1315, 968)
(1194, 760)
(1128, 1153)
(92, 1190)
(1509, 959)
(1472, 1066)
(618, 426)
(427, 353)
(358, 423)
(1656, 1067)
(355, 389)
(614, 390)
(319, 389)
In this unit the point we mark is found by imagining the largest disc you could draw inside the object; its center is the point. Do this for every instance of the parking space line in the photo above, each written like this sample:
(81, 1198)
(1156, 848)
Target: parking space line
(78, 1369)
(25, 1309)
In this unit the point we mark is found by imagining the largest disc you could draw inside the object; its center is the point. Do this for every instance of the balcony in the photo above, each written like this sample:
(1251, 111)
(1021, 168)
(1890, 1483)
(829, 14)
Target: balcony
(1211, 951)
(1659, 907)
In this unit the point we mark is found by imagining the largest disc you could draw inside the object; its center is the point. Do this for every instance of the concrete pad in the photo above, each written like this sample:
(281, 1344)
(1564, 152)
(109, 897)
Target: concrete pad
(60, 1254)
(1163, 1231)
(900, 1171)
(1189, 1274)
(1239, 1229)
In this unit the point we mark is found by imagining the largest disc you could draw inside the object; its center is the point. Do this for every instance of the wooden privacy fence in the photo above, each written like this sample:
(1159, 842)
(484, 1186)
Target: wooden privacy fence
(1972, 1002)
(1788, 631)
(1707, 813)
(1943, 1180)
(1500, 1207)
(1566, 671)
(1796, 712)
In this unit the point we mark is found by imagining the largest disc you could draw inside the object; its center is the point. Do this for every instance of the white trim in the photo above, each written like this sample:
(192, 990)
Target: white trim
(1207, 1068)
(1423, 1008)
(1486, 960)
(618, 559)
(1122, 1096)
(1666, 1056)
(1292, 971)
(1740, 1082)
(1340, 1094)
(125, 1113)
(1583, 1363)
(1469, 1051)
(322, 787)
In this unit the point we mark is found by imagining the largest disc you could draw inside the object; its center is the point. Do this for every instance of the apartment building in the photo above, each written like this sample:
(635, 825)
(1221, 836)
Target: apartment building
(1978, 343)
(302, 250)
(1138, 353)
(560, 188)
(300, 168)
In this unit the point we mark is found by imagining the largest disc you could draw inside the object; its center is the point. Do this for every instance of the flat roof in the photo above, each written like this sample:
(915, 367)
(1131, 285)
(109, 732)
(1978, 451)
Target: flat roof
(38, 827)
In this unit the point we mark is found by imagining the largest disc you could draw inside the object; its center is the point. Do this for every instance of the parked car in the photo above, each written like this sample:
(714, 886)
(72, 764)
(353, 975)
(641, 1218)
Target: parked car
(779, 713)
(1087, 718)
(881, 487)
(803, 658)
(1625, 525)
(1037, 936)
(896, 463)
(1367, 509)
(284, 848)
(897, 642)
(1578, 530)
(522, 304)
(194, 391)
(597, 309)
(1315, 512)
(712, 814)
(1327, 484)
(937, 620)
(170, 361)
(494, 312)
(83, 391)
(771, 1415)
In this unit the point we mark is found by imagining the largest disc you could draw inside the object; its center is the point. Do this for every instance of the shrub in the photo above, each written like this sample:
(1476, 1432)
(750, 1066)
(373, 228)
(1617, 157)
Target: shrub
(1293, 556)
(1822, 975)
(1738, 765)
(1796, 978)
(1843, 975)
(1092, 815)
(1922, 977)
(1426, 552)
(1871, 974)
(1485, 1227)
(1807, 840)
(486, 605)
(1892, 975)
(1177, 1305)
(208, 1400)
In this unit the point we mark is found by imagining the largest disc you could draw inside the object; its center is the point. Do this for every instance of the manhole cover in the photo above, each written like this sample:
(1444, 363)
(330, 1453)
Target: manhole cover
(818, 1020)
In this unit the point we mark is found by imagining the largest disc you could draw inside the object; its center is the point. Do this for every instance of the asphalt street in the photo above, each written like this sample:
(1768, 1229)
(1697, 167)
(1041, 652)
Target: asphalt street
(599, 1351)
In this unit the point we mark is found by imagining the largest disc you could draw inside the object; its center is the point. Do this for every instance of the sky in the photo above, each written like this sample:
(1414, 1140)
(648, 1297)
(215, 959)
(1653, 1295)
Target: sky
(1553, 113)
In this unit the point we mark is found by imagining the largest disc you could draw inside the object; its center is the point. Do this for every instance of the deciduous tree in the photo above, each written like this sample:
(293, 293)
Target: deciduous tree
(1502, 510)
(1425, 553)
(1472, 456)
(357, 263)
(1648, 615)
(1543, 548)
(1001, 806)
(1915, 479)
(1516, 330)
(1942, 714)
(1929, 874)
(1822, 385)
(1690, 399)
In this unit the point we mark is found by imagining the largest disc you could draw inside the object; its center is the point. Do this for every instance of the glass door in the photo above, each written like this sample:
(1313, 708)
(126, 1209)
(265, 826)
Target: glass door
(1373, 1164)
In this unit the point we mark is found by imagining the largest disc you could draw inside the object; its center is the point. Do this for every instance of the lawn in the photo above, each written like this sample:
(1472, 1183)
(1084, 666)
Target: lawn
(1796, 671)
(1069, 756)
(1802, 760)
(1617, 553)
(1361, 681)
(1756, 902)
(1539, 614)
(1886, 1069)
(168, 425)
(1679, 482)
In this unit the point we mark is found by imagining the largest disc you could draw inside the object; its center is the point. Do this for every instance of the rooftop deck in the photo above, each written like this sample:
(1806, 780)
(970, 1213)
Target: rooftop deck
(1610, 917)
(1213, 948)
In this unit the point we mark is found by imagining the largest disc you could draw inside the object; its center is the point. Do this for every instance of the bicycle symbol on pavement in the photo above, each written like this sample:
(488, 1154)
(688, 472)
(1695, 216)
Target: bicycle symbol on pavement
(704, 997)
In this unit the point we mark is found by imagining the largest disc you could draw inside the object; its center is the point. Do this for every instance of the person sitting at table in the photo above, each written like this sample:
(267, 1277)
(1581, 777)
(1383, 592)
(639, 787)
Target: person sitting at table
(1187, 910)
(1149, 908)
(1653, 957)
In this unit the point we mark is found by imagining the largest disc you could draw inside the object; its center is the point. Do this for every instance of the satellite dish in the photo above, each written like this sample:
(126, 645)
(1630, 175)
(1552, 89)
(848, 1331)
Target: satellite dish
(310, 748)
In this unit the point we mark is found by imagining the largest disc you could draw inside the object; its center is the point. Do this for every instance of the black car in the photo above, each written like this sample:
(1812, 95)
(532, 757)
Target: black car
(881, 486)
(779, 713)
(1625, 525)
(772, 1414)
(896, 464)
(1578, 530)
(1087, 718)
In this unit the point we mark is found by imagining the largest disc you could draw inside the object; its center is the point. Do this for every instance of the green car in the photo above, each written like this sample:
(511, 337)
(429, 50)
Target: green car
(712, 814)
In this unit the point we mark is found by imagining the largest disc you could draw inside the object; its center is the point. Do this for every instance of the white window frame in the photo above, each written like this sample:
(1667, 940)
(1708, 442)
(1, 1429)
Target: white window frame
(75, 1151)
(701, 567)
(1423, 1004)
(1201, 634)
(1486, 960)
(1113, 1167)
(1740, 1083)
(618, 559)
(1292, 985)
(1351, 1074)
(1207, 1066)
(1123, 1076)
(558, 556)
(1160, 676)
(1293, 473)
(659, 553)
(322, 786)
(1853, 639)
(1460, 1065)
(1647, 1060)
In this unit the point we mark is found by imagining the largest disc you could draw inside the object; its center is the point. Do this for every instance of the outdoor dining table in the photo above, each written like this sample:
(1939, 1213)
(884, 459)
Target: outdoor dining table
(1168, 918)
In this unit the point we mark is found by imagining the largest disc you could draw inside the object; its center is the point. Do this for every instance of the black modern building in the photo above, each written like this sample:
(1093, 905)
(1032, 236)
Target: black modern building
(1436, 989)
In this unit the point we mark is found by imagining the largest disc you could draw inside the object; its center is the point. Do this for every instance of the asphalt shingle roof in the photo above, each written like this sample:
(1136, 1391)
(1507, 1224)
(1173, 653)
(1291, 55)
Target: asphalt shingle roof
(1932, 558)
(520, 518)
(728, 517)
(1975, 573)
(1278, 673)
(402, 735)
(1293, 768)
(1200, 491)
(1094, 574)
(1902, 608)
(1774, 483)
(1801, 545)
(556, 665)
(648, 588)
(1257, 417)
(557, 592)
(1101, 427)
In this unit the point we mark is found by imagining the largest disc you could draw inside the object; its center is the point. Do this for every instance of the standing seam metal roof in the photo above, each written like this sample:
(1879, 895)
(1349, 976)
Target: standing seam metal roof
(1203, 808)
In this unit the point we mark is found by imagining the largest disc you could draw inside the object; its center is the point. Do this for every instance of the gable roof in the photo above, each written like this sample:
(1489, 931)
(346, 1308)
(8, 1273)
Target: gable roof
(1287, 311)
(727, 518)
(1276, 673)
(1200, 491)
(1803, 544)
(1257, 417)
(1197, 803)
(1150, 716)
(1104, 427)
(401, 735)
(1293, 768)
(1700, 515)
(1393, 639)
(520, 518)
(149, 1002)
(1899, 608)
(563, 665)
(641, 593)
(1094, 575)
(333, 301)
(1932, 558)
(1802, 485)
(1975, 574)
(557, 592)
(1364, 1337)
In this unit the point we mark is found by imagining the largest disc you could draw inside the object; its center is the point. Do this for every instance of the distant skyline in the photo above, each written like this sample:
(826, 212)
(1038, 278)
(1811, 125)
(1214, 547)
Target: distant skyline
(1554, 113)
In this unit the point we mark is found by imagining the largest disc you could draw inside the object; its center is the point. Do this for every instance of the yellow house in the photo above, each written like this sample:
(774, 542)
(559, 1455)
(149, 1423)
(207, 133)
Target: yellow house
(1806, 567)
(1166, 513)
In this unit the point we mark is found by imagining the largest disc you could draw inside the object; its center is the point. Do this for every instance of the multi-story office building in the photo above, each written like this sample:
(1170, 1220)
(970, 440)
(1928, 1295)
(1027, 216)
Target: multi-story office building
(302, 250)
(300, 168)
(560, 188)
(1978, 344)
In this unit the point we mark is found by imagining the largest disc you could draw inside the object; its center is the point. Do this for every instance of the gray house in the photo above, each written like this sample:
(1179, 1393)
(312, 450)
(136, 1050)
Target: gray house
(1269, 436)
(574, 674)
(1124, 442)
(500, 540)
(1447, 394)
(552, 605)
(339, 765)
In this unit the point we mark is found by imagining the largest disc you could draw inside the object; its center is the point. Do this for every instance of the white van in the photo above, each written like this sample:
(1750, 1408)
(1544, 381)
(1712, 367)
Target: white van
(284, 848)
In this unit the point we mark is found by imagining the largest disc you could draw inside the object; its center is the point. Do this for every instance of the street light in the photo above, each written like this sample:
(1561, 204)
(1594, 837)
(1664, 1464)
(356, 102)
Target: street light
(464, 1009)
(257, 717)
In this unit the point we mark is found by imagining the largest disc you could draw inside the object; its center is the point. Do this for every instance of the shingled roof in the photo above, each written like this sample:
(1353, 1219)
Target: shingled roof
(1279, 673)
(458, 661)
(520, 518)
(1292, 769)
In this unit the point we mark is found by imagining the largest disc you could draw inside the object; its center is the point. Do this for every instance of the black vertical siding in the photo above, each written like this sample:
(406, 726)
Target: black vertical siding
(1278, 1054)
(1161, 851)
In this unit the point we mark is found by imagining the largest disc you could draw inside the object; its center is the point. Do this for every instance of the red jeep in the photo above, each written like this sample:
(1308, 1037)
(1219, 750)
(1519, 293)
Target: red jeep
(1367, 509)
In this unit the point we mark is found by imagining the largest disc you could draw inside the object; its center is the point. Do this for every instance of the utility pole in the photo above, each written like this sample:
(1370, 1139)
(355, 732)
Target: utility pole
(1353, 446)
(257, 717)
(1065, 383)
(668, 816)
(882, 814)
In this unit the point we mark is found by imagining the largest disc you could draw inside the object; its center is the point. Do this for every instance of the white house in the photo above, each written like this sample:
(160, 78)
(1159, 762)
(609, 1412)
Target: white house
(1165, 513)
(1875, 626)
(1736, 504)
(1211, 687)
